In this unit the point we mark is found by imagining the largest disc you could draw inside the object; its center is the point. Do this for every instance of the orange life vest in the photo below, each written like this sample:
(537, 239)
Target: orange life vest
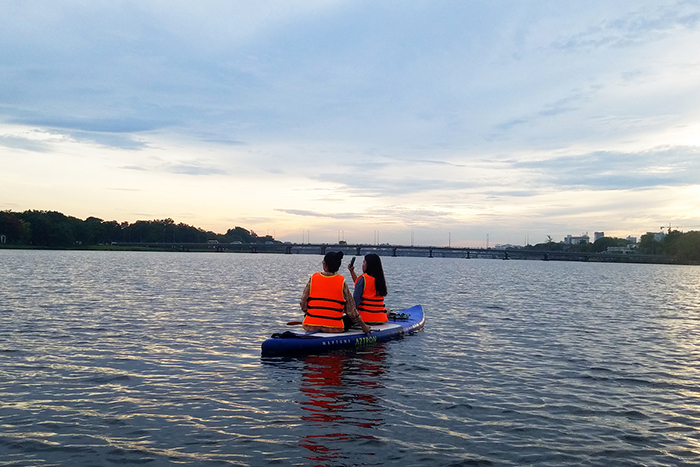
(326, 301)
(371, 307)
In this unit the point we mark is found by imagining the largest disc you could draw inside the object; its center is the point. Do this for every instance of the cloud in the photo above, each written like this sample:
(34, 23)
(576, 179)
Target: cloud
(307, 213)
(636, 27)
(499, 195)
(118, 132)
(26, 144)
(221, 139)
(229, 73)
(111, 140)
(123, 124)
(412, 216)
(663, 166)
(387, 186)
(193, 169)
(386, 215)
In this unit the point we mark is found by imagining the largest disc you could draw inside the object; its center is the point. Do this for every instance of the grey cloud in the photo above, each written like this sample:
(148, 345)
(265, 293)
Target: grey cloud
(111, 132)
(510, 194)
(223, 140)
(635, 28)
(369, 185)
(387, 215)
(305, 213)
(411, 216)
(667, 166)
(112, 140)
(553, 109)
(16, 142)
(97, 124)
(362, 176)
(426, 162)
(193, 169)
(505, 126)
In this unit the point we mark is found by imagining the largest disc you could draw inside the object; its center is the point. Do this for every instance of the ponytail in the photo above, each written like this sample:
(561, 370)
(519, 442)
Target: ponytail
(374, 269)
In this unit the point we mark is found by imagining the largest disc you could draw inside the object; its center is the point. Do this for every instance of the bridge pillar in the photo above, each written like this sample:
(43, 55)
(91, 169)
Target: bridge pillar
(358, 251)
(323, 250)
(430, 254)
(546, 257)
(393, 251)
(468, 255)
(288, 250)
(253, 248)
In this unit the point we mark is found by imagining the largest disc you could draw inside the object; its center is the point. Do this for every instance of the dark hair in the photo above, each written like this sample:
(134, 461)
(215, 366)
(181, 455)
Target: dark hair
(374, 269)
(333, 260)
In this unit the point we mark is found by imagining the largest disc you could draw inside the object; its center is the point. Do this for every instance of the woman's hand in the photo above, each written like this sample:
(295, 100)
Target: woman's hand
(351, 268)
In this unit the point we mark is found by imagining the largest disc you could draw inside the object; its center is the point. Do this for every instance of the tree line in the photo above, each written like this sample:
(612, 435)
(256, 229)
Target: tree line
(56, 230)
(681, 247)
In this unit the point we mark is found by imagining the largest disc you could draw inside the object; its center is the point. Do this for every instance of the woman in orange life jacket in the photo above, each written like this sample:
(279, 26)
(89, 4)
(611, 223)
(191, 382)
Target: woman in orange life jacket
(325, 298)
(370, 290)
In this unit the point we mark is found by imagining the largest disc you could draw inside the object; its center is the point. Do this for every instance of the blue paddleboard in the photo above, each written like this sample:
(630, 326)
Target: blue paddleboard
(406, 322)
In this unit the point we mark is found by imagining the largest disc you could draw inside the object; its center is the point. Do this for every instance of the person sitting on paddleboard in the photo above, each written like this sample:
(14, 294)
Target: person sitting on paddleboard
(370, 290)
(325, 298)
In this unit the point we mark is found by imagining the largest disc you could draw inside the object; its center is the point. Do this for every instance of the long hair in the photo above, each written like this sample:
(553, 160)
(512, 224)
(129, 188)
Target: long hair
(333, 260)
(374, 269)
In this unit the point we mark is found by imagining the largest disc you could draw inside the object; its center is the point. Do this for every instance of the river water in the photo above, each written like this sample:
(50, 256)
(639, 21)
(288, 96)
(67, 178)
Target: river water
(154, 358)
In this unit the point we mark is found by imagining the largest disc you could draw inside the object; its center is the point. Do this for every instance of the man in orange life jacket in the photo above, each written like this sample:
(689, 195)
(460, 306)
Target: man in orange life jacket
(325, 298)
(370, 290)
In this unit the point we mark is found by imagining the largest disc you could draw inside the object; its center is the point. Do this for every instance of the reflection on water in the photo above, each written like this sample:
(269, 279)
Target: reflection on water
(154, 358)
(341, 389)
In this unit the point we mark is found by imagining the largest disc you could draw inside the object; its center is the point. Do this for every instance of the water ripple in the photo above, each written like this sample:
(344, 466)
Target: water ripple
(154, 358)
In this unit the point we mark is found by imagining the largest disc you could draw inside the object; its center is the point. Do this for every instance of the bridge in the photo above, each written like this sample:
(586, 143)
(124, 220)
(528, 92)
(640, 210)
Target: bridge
(399, 250)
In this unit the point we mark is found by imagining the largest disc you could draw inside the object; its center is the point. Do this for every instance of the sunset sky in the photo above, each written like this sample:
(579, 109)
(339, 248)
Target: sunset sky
(424, 121)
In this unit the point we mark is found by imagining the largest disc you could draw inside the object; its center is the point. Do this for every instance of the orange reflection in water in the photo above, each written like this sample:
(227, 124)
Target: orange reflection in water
(340, 392)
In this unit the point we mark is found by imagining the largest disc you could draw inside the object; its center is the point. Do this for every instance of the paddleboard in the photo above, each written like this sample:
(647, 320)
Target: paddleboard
(405, 322)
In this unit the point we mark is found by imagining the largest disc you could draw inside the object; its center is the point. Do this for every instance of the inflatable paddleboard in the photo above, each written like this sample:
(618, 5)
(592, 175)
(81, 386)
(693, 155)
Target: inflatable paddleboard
(402, 323)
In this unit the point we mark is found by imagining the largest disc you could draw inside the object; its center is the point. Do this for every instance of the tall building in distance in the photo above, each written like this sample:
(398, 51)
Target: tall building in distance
(598, 235)
(579, 240)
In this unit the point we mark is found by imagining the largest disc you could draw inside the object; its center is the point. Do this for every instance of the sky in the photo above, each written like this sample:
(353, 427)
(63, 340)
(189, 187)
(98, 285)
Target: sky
(460, 123)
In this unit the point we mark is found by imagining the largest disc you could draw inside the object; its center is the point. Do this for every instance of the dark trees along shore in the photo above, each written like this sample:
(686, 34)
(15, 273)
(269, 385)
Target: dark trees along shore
(50, 229)
(56, 230)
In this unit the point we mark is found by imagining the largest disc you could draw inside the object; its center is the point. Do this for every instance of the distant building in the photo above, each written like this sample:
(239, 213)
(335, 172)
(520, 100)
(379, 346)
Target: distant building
(620, 250)
(580, 240)
(506, 246)
(657, 236)
(632, 240)
(598, 235)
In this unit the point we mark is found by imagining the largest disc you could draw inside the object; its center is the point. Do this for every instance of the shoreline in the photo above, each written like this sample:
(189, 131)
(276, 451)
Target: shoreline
(382, 250)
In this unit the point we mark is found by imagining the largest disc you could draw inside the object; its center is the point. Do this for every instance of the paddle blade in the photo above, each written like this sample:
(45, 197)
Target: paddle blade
(294, 323)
